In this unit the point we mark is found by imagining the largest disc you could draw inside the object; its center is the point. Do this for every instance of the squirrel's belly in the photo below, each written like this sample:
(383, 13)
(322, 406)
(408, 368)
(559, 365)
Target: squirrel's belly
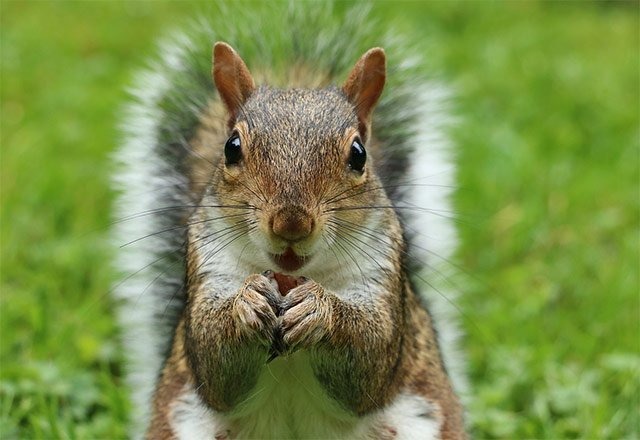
(289, 403)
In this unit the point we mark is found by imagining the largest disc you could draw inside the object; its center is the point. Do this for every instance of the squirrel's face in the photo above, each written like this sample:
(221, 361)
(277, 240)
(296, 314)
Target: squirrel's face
(298, 158)
(296, 161)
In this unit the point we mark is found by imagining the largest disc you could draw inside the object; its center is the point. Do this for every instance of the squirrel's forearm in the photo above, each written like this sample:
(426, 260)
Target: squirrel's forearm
(225, 365)
(357, 364)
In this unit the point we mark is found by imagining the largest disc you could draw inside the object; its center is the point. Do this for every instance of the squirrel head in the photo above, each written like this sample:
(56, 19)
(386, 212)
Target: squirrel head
(298, 157)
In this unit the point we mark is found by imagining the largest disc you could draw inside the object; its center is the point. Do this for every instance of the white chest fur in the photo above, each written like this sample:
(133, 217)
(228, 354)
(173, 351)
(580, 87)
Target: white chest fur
(288, 402)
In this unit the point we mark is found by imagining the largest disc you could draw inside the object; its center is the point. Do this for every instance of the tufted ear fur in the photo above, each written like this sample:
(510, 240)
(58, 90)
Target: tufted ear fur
(232, 78)
(364, 85)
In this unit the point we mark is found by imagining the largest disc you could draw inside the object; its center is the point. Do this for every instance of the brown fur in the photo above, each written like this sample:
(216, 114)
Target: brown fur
(365, 353)
(175, 375)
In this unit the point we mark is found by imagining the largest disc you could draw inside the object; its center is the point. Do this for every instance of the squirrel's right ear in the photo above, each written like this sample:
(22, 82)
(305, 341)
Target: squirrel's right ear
(231, 77)
(364, 85)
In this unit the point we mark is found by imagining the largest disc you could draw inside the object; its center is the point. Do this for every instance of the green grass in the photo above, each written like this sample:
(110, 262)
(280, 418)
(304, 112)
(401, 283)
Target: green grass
(548, 149)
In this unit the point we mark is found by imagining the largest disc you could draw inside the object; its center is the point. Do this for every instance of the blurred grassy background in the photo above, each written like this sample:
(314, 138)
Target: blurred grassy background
(548, 95)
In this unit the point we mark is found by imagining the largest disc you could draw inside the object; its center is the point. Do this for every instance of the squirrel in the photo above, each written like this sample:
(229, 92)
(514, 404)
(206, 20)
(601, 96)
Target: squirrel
(272, 220)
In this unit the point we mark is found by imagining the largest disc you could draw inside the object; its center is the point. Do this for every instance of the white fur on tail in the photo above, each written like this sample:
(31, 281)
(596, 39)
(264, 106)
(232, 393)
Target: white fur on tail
(432, 172)
(140, 180)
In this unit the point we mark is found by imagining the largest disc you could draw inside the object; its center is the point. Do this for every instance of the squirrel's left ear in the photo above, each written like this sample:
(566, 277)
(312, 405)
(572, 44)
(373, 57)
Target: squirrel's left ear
(232, 78)
(364, 85)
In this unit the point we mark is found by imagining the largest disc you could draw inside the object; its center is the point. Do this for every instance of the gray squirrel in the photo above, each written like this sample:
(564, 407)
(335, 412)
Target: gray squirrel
(274, 224)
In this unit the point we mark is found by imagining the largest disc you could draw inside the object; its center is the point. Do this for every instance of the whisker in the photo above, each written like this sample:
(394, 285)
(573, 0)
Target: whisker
(369, 235)
(385, 255)
(163, 187)
(156, 278)
(349, 240)
(435, 212)
(170, 301)
(466, 317)
(365, 283)
(165, 255)
(178, 207)
(186, 225)
(176, 262)
(240, 255)
(443, 259)
(385, 187)
(357, 229)
(333, 250)
(223, 233)
(223, 246)
(372, 234)
(110, 292)
(406, 183)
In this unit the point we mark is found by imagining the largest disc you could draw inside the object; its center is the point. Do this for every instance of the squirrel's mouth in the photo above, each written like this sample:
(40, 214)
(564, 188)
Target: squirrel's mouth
(289, 260)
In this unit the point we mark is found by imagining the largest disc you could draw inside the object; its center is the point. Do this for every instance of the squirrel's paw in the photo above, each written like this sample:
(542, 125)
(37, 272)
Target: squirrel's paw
(255, 307)
(307, 316)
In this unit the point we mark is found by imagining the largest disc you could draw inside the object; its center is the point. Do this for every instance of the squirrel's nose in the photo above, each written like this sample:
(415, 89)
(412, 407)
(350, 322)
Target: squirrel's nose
(292, 224)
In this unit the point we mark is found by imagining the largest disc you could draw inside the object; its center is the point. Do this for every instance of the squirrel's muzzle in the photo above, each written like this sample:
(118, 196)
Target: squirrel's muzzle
(292, 223)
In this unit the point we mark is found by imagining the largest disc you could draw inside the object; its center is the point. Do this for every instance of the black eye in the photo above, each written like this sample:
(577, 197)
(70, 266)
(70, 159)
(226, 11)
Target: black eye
(358, 156)
(233, 150)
